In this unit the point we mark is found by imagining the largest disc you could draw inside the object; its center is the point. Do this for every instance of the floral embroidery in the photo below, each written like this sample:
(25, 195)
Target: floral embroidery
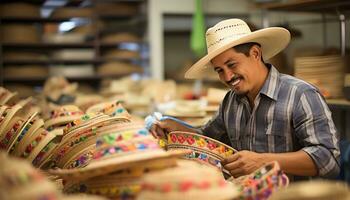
(184, 186)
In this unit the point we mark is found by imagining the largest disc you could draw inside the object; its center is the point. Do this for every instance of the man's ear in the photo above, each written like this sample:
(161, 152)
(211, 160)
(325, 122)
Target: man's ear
(255, 52)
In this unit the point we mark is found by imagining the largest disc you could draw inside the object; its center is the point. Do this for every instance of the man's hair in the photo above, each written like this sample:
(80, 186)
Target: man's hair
(245, 48)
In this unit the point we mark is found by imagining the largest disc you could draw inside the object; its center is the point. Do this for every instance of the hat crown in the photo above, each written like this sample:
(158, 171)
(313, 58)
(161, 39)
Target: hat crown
(224, 32)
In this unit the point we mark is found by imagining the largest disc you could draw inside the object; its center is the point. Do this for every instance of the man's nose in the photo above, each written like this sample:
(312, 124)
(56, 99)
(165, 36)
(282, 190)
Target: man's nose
(228, 75)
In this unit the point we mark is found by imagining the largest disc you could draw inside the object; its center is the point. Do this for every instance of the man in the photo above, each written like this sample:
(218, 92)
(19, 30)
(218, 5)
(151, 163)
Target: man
(266, 115)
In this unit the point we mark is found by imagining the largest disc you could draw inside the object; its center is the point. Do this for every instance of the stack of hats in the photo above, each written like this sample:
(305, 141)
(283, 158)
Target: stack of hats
(58, 90)
(22, 133)
(119, 146)
(205, 150)
(118, 68)
(214, 98)
(190, 111)
(19, 180)
(121, 37)
(120, 54)
(78, 142)
(188, 181)
(7, 96)
(61, 116)
(317, 70)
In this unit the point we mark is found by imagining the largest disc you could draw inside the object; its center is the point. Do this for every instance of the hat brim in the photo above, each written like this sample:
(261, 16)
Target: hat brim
(272, 41)
(101, 167)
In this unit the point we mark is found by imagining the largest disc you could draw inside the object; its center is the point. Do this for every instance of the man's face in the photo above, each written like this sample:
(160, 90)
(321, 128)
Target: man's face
(236, 70)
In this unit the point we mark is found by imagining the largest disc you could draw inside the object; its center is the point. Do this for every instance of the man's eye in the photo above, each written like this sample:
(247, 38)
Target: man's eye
(230, 65)
(218, 71)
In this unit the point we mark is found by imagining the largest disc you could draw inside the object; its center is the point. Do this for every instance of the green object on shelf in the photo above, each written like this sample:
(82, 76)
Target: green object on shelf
(198, 44)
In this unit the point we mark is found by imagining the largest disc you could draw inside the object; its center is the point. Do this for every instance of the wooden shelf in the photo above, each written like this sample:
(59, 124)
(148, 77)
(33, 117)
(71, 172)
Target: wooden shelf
(47, 45)
(338, 103)
(69, 62)
(327, 6)
(36, 80)
(64, 45)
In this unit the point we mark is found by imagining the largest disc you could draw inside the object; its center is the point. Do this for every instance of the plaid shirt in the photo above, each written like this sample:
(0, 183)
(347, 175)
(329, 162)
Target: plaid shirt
(289, 115)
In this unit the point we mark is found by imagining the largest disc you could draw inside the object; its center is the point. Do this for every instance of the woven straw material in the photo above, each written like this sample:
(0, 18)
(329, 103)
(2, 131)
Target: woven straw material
(28, 137)
(19, 180)
(188, 181)
(117, 184)
(314, 190)
(63, 115)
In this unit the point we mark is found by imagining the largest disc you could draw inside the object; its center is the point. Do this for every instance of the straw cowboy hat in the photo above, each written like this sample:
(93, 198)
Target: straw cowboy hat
(233, 32)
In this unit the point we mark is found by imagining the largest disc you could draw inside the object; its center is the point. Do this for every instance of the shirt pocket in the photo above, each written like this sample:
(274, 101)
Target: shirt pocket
(276, 135)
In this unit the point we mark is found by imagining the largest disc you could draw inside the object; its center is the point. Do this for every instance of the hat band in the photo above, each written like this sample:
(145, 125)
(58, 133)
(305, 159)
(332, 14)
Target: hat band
(183, 186)
(10, 134)
(126, 147)
(29, 148)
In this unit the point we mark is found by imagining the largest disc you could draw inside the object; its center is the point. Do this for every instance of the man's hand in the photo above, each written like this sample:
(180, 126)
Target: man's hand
(161, 128)
(243, 163)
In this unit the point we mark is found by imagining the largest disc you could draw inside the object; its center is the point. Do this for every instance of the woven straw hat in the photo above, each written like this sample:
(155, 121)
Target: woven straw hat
(79, 140)
(204, 149)
(19, 180)
(6, 96)
(314, 190)
(122, 184)
(263, 182)
(63, 115)
(112, 108)
(123, 147)
(188, 181)
(232, 32)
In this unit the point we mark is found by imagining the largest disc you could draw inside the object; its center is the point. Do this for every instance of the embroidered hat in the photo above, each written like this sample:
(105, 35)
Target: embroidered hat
(112, 108)
(263, 182)
(6, 96)
(120, 148)
(232, 32)
(20, 119)
(62, 115)
(122, 184)
(314, 190)
(79, 139)
(204, 149)
(19, 180)
(188, 181)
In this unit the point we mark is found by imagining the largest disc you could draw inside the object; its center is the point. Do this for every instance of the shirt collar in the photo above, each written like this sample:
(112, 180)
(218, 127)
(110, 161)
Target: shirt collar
(270, 87)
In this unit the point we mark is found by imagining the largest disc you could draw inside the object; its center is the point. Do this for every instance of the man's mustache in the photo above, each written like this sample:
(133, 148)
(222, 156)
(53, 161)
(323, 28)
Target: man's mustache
(233, 79)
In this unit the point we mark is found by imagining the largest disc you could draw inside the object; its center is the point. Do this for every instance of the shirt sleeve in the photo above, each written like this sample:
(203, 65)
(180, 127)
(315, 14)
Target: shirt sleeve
(316, 133)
